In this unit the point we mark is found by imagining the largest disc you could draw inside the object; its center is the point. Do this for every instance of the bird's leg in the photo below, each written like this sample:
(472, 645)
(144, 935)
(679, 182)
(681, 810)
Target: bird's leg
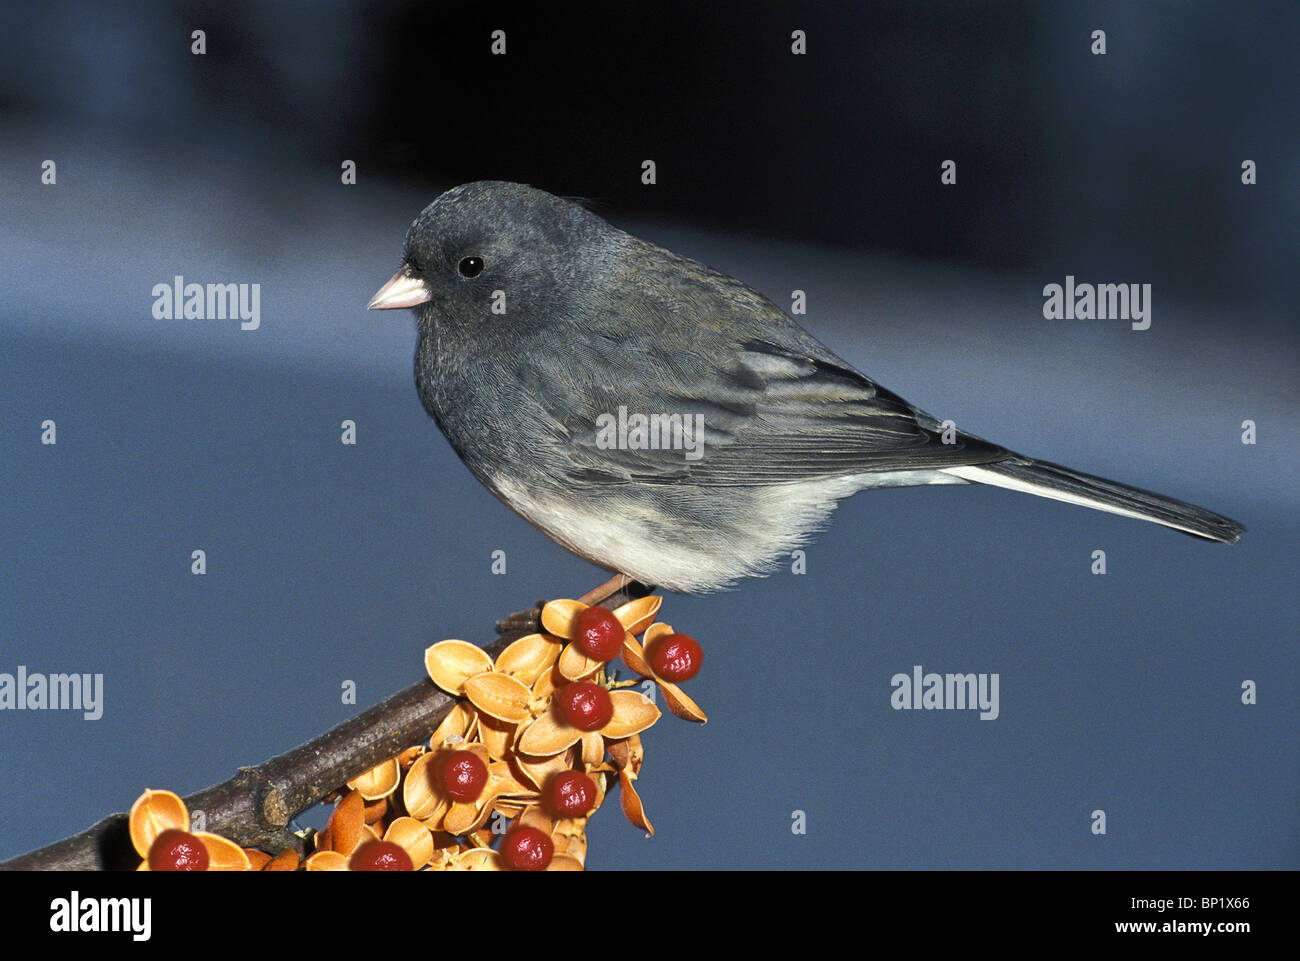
(611, 586)
(530, 621)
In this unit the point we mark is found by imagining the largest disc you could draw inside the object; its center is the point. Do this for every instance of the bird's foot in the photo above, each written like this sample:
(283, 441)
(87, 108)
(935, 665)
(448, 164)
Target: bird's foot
(621, 588)
(613, 586)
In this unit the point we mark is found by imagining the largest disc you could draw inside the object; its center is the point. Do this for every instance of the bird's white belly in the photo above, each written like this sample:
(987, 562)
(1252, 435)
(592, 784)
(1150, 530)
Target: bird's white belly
(627, 532)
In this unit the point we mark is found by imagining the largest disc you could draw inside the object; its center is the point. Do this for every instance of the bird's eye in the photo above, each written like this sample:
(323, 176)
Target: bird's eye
(471, 266)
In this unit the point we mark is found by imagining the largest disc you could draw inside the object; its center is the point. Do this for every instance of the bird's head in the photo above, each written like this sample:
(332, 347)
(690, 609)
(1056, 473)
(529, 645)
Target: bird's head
(493, 249)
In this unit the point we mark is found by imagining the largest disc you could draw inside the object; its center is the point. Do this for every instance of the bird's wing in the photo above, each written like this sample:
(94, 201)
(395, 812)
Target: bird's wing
(771, 414)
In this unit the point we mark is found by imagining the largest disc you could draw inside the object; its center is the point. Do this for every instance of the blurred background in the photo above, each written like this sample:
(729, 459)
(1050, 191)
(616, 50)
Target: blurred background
(817, 172)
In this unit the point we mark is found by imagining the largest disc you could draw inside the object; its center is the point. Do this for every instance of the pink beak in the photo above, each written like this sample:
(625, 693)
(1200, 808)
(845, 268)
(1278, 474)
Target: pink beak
(402, 290)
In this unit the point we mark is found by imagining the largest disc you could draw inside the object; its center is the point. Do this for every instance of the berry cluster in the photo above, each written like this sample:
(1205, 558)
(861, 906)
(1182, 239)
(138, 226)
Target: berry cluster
(513, 772)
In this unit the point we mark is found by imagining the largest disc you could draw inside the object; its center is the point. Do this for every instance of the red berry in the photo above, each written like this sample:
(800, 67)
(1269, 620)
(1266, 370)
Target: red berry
(380, 856)
(176, 850)
(599, 634)
(571, 794)
(463, 775)
(585, 705)
(527, 849)
(675, 657)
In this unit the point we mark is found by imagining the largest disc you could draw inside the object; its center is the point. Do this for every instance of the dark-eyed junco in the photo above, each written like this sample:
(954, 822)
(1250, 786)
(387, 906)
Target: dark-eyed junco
(659, 418)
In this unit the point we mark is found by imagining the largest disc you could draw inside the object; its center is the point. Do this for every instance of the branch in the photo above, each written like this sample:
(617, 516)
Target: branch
(254, 807)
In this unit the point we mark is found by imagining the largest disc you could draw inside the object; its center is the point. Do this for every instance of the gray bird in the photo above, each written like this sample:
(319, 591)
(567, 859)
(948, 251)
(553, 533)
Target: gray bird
(661, 419)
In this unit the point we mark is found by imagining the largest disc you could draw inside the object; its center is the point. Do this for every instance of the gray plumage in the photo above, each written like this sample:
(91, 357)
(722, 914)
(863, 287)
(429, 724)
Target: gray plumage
(596, 319)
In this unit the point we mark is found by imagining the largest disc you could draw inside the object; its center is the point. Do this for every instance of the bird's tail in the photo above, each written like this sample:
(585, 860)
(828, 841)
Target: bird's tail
(1062, 484)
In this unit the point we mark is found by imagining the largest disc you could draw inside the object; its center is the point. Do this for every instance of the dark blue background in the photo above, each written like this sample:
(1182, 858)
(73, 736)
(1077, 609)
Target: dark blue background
(328, 562)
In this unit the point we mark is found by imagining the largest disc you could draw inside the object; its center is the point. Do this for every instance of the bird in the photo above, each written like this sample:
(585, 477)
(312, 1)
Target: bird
(659, 418)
